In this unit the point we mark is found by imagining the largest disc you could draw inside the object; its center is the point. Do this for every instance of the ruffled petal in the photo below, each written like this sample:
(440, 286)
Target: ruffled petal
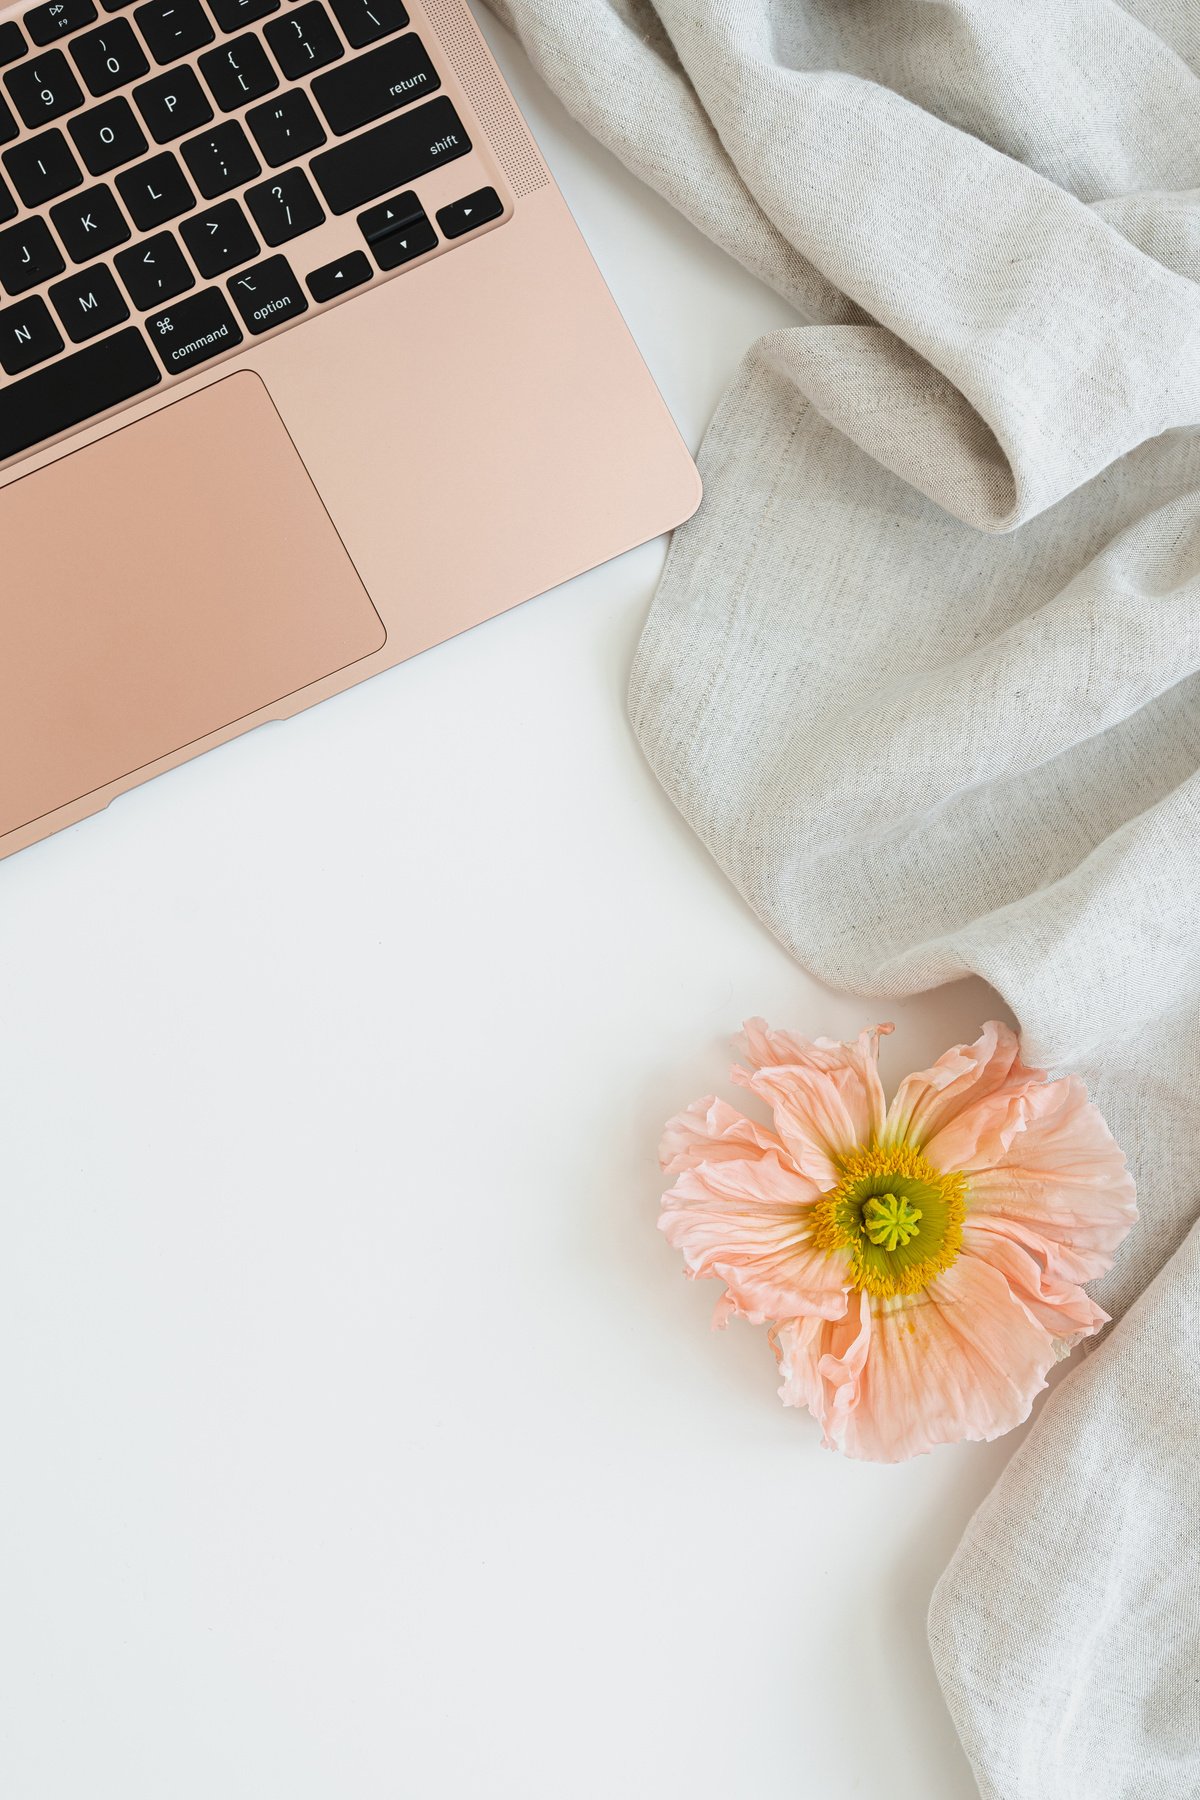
(821, 1361)
(713, 1131)
(826, 1097)
(1059, 1178)
(748, 1224)
(968, 1078)
(1037, 1276)
(964, 1358)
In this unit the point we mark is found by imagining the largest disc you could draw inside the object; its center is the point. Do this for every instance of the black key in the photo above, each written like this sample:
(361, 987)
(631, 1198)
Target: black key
(154, 271)
(231, 15)
(403, 245)
(351, 174)
(381, 82)
(470, 213)
(363, 21)
(285, 207)
(42, 168)
(220, 160)
(389, 216)
(335, 278)
(304, 40)
(90, 223)
(193, 331)
(108, 136)
(239, 72)
(8, 206)
(172, 104)
(109, 57)
(12, 43)
(78, 387)
(268, 295)
(286, 128)
(397, 231)
(8, 125)
(89, 303)
(28, 256)
(112, 6)
(45, 23)
(155, 191)
(28, 335)
(174, 28)
(219, 239)
(45, 89)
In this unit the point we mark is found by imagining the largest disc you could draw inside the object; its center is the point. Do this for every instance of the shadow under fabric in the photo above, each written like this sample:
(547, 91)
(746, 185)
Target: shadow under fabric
(922, 676)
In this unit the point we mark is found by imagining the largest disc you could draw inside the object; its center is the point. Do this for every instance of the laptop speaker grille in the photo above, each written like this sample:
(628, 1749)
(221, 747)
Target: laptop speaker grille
(515, 150)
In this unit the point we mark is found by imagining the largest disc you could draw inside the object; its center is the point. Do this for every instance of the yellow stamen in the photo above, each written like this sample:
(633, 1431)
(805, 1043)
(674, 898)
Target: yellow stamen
(889, 1220)
(900, 1218)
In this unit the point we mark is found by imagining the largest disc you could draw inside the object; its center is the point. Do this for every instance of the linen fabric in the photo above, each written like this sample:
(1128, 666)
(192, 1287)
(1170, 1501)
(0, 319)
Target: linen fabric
(922, 676)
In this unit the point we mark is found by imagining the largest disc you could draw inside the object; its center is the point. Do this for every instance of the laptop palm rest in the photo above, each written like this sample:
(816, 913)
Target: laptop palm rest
(161, 585)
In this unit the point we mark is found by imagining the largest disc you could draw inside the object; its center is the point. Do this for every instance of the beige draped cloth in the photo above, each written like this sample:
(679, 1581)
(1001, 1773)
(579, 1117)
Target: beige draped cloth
(922, 675)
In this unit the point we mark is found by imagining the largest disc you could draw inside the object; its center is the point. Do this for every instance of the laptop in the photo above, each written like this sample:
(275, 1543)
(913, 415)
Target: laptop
(304, 368)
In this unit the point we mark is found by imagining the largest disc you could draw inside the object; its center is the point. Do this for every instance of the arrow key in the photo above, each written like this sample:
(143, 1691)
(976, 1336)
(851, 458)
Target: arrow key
(470, 213)
(403, 245)
(397, 230)
(339, 277)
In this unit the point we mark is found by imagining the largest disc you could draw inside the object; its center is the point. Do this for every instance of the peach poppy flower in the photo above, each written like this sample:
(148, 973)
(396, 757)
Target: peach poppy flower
(921, 1265)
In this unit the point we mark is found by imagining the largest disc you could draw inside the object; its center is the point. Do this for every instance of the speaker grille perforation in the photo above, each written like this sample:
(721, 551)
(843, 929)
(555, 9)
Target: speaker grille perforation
(515, 150)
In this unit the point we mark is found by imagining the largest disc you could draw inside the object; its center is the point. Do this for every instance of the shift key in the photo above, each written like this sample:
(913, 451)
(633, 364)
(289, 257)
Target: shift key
(394, 153)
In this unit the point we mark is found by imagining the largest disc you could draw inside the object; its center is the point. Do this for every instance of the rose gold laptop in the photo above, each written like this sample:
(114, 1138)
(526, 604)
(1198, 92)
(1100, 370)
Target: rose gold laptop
(304, 367)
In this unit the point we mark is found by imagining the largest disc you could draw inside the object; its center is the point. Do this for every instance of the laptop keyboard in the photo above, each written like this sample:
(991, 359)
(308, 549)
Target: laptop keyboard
(154, 212)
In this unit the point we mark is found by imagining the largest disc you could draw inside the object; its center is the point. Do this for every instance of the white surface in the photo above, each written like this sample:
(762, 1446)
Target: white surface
(360, 1435)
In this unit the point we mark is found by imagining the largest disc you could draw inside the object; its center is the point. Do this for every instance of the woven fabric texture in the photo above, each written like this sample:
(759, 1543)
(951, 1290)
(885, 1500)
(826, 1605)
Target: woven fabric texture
(922, 674)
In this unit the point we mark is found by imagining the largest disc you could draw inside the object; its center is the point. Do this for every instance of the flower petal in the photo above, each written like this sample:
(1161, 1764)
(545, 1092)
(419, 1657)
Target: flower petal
(1060, 1177)
(713, 1131)
(821, 1361)
(827, 1097)
(1035, 1273)
(749, 1224)
(962, 1359)
(762, 1047)
(966, 1077)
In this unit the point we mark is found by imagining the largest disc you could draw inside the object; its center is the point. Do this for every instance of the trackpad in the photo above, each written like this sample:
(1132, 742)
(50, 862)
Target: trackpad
(159, 586)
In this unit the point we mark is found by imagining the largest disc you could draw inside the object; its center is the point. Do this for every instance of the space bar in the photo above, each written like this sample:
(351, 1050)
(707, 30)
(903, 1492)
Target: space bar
(74, 389)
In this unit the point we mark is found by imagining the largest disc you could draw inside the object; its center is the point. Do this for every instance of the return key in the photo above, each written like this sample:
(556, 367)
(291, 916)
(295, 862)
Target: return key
(374, 85)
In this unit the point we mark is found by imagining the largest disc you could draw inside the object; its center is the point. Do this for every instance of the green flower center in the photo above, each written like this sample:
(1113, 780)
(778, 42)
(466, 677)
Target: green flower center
(899, 1218)
(890, 1220)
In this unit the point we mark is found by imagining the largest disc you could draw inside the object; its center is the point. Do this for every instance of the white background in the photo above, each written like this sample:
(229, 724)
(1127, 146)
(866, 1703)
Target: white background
(360, 1436)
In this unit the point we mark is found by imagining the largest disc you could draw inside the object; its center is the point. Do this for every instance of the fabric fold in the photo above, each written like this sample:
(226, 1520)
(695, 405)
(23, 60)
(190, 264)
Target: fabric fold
(924, 674)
